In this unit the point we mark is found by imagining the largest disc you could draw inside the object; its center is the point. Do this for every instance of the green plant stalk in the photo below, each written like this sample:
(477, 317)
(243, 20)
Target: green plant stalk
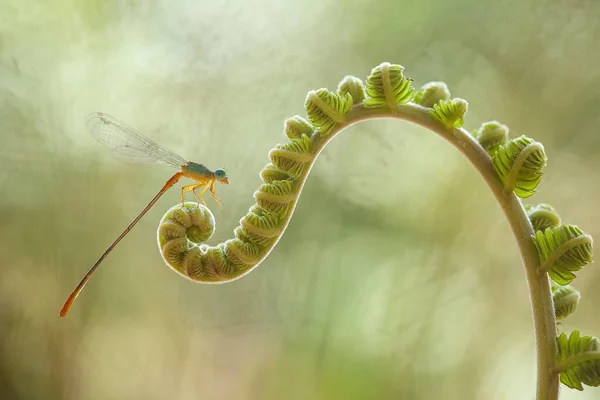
(540, 293)
(215, 266)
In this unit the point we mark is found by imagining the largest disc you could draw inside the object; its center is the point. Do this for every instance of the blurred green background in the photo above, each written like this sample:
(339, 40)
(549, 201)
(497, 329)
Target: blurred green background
(398, 277)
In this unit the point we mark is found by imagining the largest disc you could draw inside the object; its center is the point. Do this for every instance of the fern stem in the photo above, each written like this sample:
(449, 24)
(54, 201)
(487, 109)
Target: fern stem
(267, 228)
(576, 360)
(540, 294)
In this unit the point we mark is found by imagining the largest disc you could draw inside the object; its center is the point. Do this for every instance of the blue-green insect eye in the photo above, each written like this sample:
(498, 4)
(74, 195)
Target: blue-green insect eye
(220, 173)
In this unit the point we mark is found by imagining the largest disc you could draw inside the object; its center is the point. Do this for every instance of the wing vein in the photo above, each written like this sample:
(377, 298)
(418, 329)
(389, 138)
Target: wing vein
(129, 145)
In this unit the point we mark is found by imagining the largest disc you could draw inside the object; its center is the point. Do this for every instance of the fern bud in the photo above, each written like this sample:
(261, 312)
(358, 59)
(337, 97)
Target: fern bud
(542, 216)
(578, 360)
(491, 135)
(292, 158)
(519, 165)
(297, 126)
(270, 173)
(180, 226)
(565, 299)
(326, 109)
(354, 86)
(431, 93)
(450, 112)
(562, 251)
(276, 196)
(387, 86)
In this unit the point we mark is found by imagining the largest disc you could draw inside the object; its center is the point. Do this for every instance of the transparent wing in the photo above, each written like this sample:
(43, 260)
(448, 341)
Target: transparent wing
(127, 144)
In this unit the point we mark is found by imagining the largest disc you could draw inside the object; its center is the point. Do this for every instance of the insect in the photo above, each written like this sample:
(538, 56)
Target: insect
(129, 145)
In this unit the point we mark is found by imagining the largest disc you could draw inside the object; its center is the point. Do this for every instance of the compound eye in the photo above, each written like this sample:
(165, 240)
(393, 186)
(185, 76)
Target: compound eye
(220, 173)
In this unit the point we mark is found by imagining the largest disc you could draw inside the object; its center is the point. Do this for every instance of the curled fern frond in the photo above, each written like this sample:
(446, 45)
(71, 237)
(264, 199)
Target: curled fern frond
(180, 226)
(431, 93)
(519, 165)
(214, 266)
(326, 109)
(353, 86)
(183, 231)
(491, 135)
(271, 173)
(578, 360)
(297, 126)
(387, 86)
(450, 112)
(563, 250)
(293, 157)
(196, 223)
(242, 252)
(542, 216)
(261, 227)
(276, 196)
(566, 299)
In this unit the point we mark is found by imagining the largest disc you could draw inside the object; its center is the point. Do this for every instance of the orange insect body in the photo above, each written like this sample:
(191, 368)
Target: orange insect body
(205, 178)
(131, 145)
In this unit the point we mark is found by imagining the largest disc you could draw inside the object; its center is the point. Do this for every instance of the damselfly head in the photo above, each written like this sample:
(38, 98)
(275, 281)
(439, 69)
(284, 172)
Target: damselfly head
(221, 176)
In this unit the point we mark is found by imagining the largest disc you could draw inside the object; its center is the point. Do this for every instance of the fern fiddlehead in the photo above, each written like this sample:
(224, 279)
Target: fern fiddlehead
(578, 360)
(491, 135)
(566, 299)
(542, 216)
(519, 164)
(511, 168)
(563, 250)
